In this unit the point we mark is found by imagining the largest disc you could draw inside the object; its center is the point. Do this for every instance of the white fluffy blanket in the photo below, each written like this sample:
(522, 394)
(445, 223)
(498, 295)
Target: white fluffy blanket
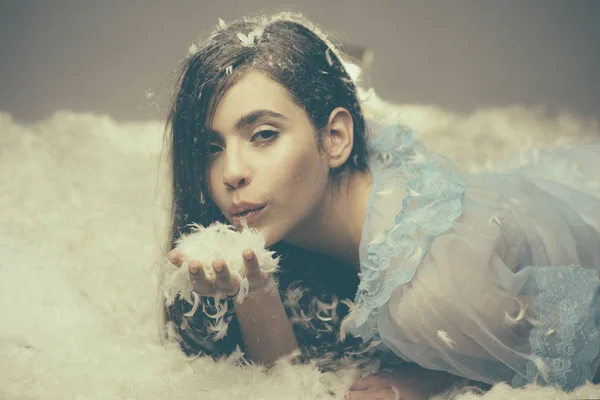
(81, 228)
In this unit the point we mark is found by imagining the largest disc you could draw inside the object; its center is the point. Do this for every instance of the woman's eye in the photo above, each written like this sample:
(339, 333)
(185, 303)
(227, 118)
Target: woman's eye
(213, 149)
(265, 136)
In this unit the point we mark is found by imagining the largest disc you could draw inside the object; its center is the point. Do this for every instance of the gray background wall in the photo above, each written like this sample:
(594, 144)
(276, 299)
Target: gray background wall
(101, 56)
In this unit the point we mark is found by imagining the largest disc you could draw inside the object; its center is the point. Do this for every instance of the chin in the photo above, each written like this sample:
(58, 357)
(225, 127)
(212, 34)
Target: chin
(272, 234)
(270, 237)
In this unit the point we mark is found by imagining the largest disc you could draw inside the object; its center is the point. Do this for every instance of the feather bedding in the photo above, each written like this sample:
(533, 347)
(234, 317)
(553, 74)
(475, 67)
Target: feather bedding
(83, 220)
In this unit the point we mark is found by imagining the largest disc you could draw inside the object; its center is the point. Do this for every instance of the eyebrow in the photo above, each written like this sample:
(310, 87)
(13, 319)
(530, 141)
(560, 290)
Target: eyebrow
(251, 118)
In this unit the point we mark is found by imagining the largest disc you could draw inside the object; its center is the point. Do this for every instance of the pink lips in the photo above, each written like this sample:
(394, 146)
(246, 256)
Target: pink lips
(249, 215)
(238, 208)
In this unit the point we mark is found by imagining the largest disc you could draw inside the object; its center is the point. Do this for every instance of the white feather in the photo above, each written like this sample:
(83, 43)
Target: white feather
(344, 326)
(413, 193)
(246, 40)
(495, 219)
(193, 49)
(218, 241)
(444, 337)
(386, 192)
(417, 256)
(328, 56)
(542, 368)
(194, 307)
(520, 315)
(550, 332)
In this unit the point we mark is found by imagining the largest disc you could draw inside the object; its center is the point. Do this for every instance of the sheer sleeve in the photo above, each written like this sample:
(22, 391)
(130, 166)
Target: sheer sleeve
(493, 277)
(476, 310)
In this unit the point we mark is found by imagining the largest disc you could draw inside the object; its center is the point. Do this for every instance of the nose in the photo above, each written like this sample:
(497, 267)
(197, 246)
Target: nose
(235, 170)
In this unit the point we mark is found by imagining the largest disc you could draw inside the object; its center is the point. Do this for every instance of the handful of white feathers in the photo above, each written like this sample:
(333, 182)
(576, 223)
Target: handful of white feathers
(205, 244)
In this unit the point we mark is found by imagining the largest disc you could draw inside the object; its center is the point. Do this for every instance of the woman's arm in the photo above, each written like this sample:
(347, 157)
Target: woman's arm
(266, 329)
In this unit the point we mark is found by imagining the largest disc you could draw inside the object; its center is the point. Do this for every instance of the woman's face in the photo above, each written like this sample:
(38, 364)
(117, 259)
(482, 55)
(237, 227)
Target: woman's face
(264, 154)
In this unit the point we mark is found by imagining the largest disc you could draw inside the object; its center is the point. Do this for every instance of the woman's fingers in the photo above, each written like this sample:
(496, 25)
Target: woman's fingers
(175, 257)
(196, 270)
(224, 282)
(202, 284)
(253, 272)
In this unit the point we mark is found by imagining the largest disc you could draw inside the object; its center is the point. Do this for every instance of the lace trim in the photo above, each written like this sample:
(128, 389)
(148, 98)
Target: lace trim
(432, 204)
(565, 340)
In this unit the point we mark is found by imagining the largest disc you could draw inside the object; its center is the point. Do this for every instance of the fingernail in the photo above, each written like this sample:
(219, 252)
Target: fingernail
(218, 267)
(194, 269)
(248, 255)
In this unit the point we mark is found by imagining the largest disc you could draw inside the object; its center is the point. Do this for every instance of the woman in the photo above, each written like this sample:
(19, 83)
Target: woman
(491, 277)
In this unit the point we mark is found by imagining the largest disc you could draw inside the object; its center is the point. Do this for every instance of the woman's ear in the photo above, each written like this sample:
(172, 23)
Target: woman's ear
(338, 140)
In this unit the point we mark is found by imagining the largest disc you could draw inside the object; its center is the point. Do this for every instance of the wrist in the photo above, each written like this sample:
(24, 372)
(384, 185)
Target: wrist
(268, 286)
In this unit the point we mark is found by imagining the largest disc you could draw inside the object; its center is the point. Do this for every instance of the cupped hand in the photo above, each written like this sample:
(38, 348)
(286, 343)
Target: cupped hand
(223, 283)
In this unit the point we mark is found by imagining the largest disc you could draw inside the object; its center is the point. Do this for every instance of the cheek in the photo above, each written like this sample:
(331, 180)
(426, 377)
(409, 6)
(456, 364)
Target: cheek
(307, 174)
(212, 182)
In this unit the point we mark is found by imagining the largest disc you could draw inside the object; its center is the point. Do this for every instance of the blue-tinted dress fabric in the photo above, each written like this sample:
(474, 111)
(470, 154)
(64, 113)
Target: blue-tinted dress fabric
(490, 276)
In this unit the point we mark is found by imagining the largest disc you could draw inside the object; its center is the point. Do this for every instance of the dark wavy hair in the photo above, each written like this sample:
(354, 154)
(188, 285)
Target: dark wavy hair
(292, 52)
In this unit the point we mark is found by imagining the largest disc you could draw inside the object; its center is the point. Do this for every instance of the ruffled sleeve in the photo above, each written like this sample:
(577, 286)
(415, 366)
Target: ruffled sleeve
(416, 196)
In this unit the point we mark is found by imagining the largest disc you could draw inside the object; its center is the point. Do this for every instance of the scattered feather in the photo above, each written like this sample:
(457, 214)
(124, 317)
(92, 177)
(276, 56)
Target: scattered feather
(328, 57)
(397, 395)
(520, 316)
(495, 219)
(353, 70)
(293, 295)
(237, 357)
(193, 49)
(345, 325)
(542, 368)
(246, 40)
(379, 238)
(194, 307)
(323, 318)
(220, 328)
(388, 191)
(250, 39)
(444, 337)
(413, 193)
(417, 256)
(366, 95)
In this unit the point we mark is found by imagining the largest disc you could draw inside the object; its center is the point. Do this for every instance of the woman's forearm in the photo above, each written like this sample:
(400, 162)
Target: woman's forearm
(266, 329)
